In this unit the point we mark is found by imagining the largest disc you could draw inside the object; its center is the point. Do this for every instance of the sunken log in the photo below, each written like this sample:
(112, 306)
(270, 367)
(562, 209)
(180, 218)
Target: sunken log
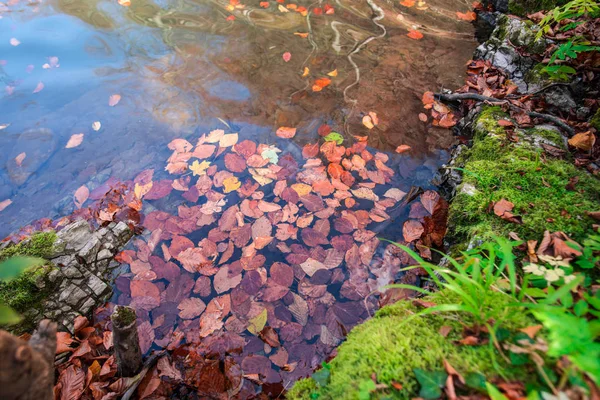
(126, 342)
(27, 368)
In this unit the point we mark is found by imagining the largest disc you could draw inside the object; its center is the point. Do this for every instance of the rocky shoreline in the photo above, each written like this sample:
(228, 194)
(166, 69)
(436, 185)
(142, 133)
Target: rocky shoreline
(79, 275)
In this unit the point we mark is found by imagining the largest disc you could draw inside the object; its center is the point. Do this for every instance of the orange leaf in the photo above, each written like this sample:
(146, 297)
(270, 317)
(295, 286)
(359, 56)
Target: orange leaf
(81, 195)
(303, 35)
(320, 84)
(286, 132)
(469, 16)
(74, 141)
(415, 35)
(407, 3)
(19, 159)
(114, 99)
(403, 148)
(264, 4)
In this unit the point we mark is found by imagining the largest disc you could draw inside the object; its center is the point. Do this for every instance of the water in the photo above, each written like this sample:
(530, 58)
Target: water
(183, 68)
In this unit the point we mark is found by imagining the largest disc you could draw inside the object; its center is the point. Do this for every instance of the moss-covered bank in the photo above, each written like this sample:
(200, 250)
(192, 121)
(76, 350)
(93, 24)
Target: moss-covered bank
(524, 7)
(28, 291)
(391, 346)
(498, 167)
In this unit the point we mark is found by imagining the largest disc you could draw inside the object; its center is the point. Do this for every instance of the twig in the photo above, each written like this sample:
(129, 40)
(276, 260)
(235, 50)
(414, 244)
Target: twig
(135, 381)
(477, 97)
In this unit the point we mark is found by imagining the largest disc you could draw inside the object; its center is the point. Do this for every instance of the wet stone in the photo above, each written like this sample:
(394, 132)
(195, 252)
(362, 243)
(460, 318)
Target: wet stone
(38, 144)
(71, 272)
(90, 250)
(97, 285)
(76, 235)
(104, 254)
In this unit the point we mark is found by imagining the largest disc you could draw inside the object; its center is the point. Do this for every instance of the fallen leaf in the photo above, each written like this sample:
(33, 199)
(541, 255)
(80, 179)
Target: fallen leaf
(412, 230)
(403, 148)
(124, 3)
(114, 99)
(368, 122)
(333, 73)
(14, 42)
(256, 324)
(468, 16)
(81, 195)
(38, 88)
(414, 34)
(5, 203)
(74, 141)
(531, 331)
(264, 4)
(408, 3)
(286, 132)
(231, 184)
(320, 84)
(287, 56)
(96, 126)
(19, 159)
(583, 141)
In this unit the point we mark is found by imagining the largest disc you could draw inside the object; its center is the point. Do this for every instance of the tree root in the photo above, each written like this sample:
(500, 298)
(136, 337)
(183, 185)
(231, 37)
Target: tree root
(484, 99)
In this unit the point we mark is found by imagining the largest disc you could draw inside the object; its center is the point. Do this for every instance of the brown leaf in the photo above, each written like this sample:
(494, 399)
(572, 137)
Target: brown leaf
(72, 381)
(583, 141)
(412, 230)
(286, 132)
(269, 336)
(191, 308)
(531, 331)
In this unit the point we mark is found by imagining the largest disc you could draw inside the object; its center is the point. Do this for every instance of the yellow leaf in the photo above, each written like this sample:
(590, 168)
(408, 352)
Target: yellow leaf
(368, 122)
(257, 323)
(306, 72)
(283, 9)
(301, 188)
(333, 73)
(95, 368)
(199, 168)
(231, 184)
(141, 190)
(228, 140)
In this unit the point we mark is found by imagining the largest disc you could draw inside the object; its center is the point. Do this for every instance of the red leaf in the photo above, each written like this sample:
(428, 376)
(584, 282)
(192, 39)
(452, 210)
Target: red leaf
(412, 230)
(72, 381)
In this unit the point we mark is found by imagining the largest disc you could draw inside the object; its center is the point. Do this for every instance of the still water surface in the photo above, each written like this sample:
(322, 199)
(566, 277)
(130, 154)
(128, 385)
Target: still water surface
(186, 67)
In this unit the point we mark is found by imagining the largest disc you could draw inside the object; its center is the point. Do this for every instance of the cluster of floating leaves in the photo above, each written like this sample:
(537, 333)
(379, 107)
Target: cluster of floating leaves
(268, 262)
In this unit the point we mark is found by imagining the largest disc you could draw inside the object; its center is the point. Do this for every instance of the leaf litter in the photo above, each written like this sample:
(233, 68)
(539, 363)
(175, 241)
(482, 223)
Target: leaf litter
(265, 263)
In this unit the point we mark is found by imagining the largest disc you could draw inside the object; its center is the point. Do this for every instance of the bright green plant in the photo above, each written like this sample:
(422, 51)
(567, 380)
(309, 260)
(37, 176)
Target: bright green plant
(483, 271)
(9, 270)
(571, 10)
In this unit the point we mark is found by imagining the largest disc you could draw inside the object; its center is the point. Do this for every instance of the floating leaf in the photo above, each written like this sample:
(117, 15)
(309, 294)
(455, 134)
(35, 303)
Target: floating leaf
(231, 184)
(334, 137)
(286, 132)
(20, 158)
(114, 99)
(14, 42)
(256, 324)
(81, 195)
(74, 141)
(39, 87)
(403, 148)
(414, 34)
(96, 126)
(5, 203)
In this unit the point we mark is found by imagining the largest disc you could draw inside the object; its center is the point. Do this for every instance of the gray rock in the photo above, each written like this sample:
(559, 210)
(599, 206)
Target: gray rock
(87, 306)
(54, 275)
(71, 271)
(39, 144)
(560, 97)
(90, 249)
(97, 285)
(72, 295)
(104, 254)
(63, 260)
(75, 235)
(122, 232)
(500, 49)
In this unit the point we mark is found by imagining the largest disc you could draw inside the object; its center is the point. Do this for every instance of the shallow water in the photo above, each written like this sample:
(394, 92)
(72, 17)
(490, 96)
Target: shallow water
(185, 67)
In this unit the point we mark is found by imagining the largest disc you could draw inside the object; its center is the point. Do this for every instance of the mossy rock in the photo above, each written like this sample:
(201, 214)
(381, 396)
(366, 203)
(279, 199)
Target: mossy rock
(595, 121)
(496, 168)
(26, 293)
(524, 7)
(391, 347)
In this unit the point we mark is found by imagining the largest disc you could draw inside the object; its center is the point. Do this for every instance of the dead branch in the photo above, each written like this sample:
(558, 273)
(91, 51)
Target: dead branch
(484, 99)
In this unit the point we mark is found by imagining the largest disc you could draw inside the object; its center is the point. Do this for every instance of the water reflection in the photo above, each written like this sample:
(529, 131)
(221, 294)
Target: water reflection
(182, 67)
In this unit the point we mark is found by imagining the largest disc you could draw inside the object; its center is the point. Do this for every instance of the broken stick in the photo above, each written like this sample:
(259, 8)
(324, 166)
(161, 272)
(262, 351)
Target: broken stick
(126, 341)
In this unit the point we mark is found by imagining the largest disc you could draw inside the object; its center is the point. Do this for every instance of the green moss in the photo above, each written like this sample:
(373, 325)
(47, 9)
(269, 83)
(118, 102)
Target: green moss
(391, 347)
(524, 7)
(123, 316)
(27, 292)
(595, 121)
(40, 244)
(496, 168)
